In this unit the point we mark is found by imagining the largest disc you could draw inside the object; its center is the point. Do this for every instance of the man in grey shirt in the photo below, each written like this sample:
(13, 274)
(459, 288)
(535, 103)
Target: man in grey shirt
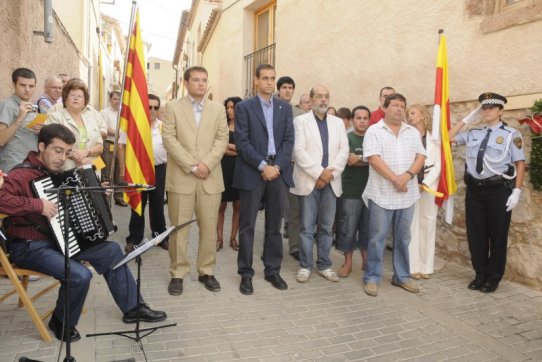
(16, 113)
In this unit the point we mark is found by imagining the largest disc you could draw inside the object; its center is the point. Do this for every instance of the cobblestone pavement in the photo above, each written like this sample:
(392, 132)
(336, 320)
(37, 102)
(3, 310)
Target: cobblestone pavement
(315, 321)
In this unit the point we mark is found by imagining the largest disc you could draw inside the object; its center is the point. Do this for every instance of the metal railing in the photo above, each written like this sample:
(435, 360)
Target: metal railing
(262, 56)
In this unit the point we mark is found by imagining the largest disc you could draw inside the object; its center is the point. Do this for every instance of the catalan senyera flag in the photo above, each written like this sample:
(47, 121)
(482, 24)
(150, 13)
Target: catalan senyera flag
(135, 120)
(441, 125)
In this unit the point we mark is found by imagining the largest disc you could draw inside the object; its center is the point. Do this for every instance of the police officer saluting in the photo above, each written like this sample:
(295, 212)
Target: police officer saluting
(495, 166)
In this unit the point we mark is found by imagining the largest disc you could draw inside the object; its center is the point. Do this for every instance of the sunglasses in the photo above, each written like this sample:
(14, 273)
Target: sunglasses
(154, 108)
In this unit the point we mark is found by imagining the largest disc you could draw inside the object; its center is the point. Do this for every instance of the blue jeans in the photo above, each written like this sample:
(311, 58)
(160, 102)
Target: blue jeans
(43, 257)
(353, 225)
(380, 222)
(317, 210)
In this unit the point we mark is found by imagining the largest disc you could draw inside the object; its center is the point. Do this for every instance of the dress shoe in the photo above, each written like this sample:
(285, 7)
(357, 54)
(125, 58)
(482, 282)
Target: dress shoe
(175, 286)
(489, 287)
(476, 284)
(129, 247)
(146, 314)
(277, 281)
(121, 203)
(57, 327)
(246, 286)
(210, 282)
(165, 245)
(295, 254)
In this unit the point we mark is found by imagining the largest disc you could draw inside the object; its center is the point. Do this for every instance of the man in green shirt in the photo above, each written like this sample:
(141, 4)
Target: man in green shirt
(353, 225)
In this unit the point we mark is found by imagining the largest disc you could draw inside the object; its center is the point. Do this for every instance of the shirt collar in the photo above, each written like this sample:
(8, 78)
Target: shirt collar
(263, 102)
(195, 102)
(318, 118)
(495, 127)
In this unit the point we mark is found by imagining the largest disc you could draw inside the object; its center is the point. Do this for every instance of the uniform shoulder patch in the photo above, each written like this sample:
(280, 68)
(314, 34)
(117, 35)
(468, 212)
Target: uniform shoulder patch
(518, 142)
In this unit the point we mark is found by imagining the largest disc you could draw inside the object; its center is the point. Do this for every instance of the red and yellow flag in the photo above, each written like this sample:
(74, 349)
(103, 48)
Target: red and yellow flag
(135, 120)
(441, 125)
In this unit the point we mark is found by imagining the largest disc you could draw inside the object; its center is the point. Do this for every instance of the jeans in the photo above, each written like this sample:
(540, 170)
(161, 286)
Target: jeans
(42, 256)
(353, 225)
(381, 218)
(316, 210)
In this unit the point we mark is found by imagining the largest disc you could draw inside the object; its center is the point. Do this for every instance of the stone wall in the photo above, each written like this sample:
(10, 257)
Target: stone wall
(525, 236)
(21, 47)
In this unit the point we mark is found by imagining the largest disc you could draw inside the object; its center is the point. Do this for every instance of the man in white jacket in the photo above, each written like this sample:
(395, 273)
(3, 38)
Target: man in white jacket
(320, 154)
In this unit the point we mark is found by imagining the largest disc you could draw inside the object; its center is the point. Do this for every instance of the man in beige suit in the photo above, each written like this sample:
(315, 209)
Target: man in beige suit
(195, 134)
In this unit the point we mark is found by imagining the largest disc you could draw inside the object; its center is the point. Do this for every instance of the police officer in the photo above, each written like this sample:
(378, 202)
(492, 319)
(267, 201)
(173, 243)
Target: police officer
(495, 166)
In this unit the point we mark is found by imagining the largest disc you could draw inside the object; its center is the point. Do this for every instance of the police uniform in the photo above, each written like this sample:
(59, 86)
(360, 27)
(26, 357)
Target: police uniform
(490, 172)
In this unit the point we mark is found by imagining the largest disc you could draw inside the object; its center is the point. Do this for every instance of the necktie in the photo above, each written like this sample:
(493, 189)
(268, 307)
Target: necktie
(481, 152)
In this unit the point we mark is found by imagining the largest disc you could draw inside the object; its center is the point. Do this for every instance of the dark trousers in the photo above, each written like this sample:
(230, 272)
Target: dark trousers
(487, 230)
(44, 257)
(272, 193)
(156, 210)
(107, 156)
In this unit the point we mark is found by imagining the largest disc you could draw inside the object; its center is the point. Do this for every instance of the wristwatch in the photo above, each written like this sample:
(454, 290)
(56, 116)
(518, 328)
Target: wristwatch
(411, 174)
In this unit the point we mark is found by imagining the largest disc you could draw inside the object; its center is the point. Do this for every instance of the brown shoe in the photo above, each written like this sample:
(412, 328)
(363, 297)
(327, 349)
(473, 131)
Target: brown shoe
(409, 286)
(371, 289)
(165, 245)
(129, 247)
(219, 245)
(234, 244)
(210, 282)
(175, 286)
(121, 203)
(415, 276)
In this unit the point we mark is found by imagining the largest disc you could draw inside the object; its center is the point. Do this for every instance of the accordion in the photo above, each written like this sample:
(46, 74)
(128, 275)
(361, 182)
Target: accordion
(90, 219)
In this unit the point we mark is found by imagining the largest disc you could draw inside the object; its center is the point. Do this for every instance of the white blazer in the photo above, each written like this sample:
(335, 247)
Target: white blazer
(308, 153)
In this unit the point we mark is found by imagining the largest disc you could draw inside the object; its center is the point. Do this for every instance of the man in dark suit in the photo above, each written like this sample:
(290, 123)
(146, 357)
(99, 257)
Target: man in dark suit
(264, 135)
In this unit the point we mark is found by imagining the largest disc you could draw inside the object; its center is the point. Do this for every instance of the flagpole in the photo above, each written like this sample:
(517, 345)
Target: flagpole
(115, 145)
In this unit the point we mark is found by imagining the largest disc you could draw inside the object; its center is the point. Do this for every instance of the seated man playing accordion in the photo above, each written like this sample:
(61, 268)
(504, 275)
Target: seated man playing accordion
(31, 245)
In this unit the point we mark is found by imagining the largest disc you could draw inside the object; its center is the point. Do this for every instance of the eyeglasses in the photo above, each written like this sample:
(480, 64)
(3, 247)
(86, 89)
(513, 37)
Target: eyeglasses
(154, 108)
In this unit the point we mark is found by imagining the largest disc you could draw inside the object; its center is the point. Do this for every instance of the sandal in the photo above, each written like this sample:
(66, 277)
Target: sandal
(234, 244)
(342, 274)
(219, 245)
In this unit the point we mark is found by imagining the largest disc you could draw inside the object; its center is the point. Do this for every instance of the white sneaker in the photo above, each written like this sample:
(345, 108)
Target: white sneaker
(329, 274)
(303, 275)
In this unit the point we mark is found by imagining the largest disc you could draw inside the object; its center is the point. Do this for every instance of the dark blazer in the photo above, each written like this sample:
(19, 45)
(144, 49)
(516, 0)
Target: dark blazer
(251, 140)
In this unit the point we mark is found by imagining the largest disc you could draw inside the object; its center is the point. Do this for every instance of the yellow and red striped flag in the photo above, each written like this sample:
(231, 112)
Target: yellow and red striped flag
(441, 125)
(135, 120)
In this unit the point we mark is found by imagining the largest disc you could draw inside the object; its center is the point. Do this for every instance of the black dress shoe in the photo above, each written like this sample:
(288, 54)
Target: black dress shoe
(210, 282)
(246, 286)
(121, 203)
(476, 284)
(295, 255)
(146, 314)
(57, 327)
(175, 286)
(277, 281)
(489, 287)
(129, 247)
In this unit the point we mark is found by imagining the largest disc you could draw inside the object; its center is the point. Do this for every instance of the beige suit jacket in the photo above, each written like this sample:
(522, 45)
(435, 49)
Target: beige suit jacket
(187, 144)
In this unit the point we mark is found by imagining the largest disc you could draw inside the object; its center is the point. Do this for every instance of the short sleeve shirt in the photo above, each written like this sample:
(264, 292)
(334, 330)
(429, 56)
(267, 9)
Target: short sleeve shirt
(160, 153)
(504, 147)
(354, 178)
(24, 140)
(398, 152)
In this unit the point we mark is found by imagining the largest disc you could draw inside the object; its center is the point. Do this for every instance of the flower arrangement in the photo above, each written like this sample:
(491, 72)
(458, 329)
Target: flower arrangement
(535, 123)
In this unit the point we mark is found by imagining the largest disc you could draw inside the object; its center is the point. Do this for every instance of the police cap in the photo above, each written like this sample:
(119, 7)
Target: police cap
(492, 98)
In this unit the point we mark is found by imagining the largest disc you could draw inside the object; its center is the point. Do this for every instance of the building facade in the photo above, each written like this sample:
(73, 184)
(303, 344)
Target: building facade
(355, 47)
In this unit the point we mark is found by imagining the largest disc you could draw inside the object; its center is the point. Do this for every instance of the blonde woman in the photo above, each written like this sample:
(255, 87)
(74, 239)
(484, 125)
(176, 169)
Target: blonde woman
(423, 229)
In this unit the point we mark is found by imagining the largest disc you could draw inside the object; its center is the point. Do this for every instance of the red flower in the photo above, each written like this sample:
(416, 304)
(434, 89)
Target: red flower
(534, 121)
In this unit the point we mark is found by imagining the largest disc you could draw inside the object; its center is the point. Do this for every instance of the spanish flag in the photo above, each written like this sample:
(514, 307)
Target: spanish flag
(135, 120)
(441, 125)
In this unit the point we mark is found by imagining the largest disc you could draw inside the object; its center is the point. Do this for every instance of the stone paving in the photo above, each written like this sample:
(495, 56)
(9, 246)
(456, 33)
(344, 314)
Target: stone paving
(315, 321)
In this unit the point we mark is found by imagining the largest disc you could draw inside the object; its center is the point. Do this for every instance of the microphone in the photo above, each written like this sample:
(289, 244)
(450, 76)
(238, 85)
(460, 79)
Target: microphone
(135, 186)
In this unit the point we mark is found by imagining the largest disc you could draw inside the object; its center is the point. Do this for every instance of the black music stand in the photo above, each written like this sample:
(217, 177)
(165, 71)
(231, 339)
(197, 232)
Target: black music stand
(138, 251)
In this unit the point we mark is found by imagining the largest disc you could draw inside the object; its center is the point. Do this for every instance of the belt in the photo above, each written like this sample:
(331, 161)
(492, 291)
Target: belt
(105, 141)
(488, 182)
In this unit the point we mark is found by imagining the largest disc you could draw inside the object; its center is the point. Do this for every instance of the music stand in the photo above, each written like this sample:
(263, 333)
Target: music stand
(138, 251)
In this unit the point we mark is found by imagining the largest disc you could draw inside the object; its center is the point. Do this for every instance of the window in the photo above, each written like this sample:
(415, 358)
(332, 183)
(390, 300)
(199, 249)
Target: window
(265, 26)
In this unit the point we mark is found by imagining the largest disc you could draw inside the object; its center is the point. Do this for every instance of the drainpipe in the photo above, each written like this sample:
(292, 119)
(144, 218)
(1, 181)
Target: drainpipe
(48, 21)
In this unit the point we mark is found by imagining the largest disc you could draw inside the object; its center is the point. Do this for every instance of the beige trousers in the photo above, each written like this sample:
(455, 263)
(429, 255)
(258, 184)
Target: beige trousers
(181, 209)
